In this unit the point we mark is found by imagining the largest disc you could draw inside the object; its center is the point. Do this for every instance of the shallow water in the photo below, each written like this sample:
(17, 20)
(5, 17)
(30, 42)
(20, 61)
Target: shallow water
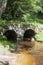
(30, 56)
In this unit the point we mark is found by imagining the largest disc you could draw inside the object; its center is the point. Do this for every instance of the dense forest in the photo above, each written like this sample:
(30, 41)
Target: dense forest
(26, 11)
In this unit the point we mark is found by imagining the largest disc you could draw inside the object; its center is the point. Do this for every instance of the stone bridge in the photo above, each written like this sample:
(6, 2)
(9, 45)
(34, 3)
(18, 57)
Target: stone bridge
(19, 30)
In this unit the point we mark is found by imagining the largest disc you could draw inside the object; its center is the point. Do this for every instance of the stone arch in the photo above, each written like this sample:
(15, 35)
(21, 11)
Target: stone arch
(11, 35)
(28, 34)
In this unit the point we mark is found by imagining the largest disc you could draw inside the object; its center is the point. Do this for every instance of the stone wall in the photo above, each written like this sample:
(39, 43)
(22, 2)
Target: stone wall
(21, 28)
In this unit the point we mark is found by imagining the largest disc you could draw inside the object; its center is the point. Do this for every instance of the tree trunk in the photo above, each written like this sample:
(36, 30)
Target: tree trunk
(2, 6)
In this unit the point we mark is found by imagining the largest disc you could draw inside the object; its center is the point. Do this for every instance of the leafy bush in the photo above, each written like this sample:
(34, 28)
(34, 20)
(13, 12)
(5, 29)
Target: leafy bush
(5, 42)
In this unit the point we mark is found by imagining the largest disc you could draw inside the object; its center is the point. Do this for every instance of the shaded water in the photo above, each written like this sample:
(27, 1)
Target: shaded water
(26, 56)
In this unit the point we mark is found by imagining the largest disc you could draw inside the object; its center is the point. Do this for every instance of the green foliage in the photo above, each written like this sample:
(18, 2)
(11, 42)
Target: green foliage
(23, 10)
(5, 42)
(39, 36)
(2, 37)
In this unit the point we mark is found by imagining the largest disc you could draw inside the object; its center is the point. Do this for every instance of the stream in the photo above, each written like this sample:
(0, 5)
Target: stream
(32, 56)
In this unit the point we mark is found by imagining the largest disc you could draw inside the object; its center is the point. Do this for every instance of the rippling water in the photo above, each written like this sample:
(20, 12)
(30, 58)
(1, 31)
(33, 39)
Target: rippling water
(29, 56)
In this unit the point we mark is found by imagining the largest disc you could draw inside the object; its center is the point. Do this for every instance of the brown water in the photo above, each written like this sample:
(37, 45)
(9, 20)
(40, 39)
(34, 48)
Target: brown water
(27, 56)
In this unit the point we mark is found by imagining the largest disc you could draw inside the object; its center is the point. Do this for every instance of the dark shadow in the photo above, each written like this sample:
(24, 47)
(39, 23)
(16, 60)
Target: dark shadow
(28, 35)
(40, 15)
(10, 35)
